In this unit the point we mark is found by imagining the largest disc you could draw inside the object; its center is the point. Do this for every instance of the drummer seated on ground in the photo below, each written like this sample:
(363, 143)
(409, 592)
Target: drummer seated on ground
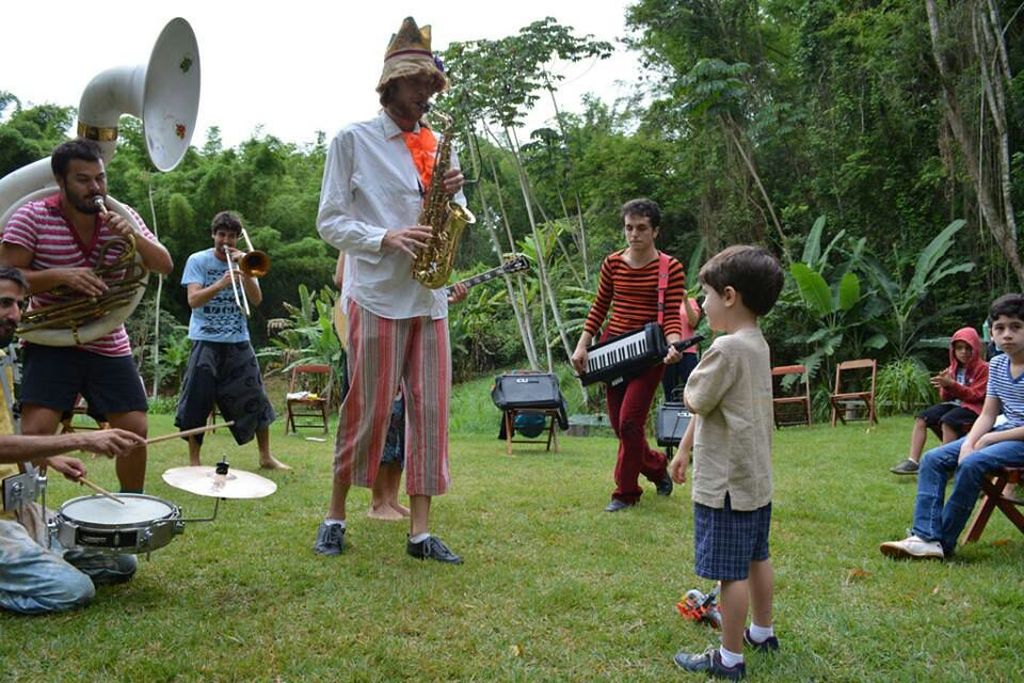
(34, 578)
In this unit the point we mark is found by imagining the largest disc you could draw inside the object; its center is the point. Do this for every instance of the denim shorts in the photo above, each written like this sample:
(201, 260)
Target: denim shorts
(726, 541)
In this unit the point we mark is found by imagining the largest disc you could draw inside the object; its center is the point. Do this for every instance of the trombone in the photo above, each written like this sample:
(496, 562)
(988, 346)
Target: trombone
(253, 263)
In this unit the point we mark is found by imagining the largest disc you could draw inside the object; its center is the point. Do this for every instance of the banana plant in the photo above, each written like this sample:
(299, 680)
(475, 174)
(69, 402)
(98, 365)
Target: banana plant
(307, 335)
(904, 323)
(831, 302)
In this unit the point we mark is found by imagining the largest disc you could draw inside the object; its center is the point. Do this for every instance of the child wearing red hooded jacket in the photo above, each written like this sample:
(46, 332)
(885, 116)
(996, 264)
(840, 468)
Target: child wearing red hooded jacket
(962, 392)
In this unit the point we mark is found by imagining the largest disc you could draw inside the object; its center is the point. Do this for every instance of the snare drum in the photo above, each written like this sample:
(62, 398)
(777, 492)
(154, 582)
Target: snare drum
(142, 524)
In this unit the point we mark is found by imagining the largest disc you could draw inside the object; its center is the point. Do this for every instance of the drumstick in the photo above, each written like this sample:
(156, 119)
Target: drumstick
(100, 490)
(187, 432)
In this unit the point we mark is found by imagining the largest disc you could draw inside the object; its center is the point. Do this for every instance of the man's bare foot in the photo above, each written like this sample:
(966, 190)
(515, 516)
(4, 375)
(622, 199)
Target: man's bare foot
(272, 463)
(399, 508)
(384, 513)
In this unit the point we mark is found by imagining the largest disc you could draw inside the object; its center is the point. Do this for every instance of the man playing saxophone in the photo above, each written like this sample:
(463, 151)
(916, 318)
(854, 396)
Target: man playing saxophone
(57, 242)
(375, 179)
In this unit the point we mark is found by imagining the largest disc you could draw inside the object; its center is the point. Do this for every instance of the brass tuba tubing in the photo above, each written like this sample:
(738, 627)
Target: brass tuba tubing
(124, 276)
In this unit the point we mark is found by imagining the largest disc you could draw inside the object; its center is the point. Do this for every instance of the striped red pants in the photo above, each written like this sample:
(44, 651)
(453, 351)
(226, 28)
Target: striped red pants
(384, 354)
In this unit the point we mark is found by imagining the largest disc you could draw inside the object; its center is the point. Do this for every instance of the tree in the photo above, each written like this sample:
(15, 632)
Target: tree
(977, 32)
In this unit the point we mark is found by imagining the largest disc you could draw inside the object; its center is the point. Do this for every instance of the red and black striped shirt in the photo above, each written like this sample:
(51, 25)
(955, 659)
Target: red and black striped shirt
(632, 294)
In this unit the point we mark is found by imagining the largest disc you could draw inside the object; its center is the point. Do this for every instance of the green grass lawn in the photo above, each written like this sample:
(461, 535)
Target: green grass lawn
(552, 589)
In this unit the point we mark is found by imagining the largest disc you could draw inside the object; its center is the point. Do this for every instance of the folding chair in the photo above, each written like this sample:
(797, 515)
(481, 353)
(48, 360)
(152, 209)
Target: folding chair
(308, 394)
(852, 374)
(550, 418)
(993, 498)
(783, 400)
(526, 392)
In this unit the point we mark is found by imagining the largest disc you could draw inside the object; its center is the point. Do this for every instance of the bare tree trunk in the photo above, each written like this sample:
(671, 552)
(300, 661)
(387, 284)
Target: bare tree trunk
(541, 258)
(730, 130)
(581, 240)
(519, 307)
(1004, 231)
(996, 95)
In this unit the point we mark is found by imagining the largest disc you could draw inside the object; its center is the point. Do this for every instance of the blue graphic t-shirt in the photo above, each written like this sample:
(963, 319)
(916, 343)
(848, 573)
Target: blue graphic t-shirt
(219, 319)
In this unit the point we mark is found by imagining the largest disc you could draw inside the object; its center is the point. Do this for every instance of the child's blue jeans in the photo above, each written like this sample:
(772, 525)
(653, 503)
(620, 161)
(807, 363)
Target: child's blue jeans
(934, 521)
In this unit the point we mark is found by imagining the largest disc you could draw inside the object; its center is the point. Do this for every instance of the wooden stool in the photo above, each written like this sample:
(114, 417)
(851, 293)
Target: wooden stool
(992, 490)
(550, 415)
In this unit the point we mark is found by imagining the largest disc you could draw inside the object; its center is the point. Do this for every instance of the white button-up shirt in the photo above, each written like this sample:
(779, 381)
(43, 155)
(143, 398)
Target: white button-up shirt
(371, 186)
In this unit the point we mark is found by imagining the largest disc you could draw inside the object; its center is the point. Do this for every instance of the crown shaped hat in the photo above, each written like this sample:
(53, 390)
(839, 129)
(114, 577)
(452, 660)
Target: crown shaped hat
(409, 54)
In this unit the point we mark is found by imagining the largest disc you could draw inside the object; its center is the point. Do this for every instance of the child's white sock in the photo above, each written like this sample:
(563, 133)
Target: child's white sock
(338, 522)
(729, 659)
(759, 634)
(419, 538)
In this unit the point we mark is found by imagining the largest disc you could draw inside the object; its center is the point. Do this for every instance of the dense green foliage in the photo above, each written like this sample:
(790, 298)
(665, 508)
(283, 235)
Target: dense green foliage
(819, 129)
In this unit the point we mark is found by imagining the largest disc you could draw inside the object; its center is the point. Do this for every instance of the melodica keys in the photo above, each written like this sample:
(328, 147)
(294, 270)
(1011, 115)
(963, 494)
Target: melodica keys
(628, 354)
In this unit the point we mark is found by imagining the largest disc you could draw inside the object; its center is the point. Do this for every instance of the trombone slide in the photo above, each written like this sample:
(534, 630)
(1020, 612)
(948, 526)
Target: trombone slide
(237, 286)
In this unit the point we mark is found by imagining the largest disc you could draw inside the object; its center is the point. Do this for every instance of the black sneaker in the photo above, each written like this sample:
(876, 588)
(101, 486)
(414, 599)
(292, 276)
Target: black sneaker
(617, 505)
(908, 466)
(709, 662)
(432, 548)
(770, 644)
(330, 539)
(664, 487)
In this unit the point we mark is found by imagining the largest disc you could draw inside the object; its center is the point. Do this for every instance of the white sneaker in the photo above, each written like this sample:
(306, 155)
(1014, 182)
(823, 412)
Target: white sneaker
(913, 548)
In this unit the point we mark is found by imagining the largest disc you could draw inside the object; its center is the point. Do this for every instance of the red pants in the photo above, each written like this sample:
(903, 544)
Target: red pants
(628, 405)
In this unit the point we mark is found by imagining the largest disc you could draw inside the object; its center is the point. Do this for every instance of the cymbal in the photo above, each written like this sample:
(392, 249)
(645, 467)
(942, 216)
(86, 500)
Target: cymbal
(204, 481)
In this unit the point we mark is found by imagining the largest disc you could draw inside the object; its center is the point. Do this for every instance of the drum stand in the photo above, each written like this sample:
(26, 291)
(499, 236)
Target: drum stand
(216, 505)
(21, 489)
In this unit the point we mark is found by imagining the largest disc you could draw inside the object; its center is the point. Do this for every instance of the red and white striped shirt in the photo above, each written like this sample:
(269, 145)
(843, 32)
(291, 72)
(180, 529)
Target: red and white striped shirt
(41, 228)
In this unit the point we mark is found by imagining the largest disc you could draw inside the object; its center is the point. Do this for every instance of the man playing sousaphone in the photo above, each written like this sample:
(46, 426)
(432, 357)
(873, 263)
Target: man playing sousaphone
(375, 179)
(58, 242)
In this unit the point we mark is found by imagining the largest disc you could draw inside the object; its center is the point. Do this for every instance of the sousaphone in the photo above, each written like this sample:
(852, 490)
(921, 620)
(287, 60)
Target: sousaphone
(165, 94)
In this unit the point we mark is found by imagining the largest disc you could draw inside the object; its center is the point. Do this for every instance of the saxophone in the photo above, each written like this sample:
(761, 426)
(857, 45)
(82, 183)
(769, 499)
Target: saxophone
(447, 220)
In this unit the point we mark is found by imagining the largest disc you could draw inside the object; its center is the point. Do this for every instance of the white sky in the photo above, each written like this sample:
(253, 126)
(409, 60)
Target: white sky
(305, 66)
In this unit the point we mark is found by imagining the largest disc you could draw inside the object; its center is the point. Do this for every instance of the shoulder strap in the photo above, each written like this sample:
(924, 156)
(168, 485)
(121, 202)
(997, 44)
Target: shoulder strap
(663, 262)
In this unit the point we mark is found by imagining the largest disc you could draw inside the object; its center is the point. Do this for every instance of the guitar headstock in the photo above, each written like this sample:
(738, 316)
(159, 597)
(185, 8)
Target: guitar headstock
(517, 264)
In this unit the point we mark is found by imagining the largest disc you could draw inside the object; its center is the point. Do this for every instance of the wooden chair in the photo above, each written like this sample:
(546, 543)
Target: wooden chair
(851, 374)
(992, 498)
(307, 398)
(783, 400)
